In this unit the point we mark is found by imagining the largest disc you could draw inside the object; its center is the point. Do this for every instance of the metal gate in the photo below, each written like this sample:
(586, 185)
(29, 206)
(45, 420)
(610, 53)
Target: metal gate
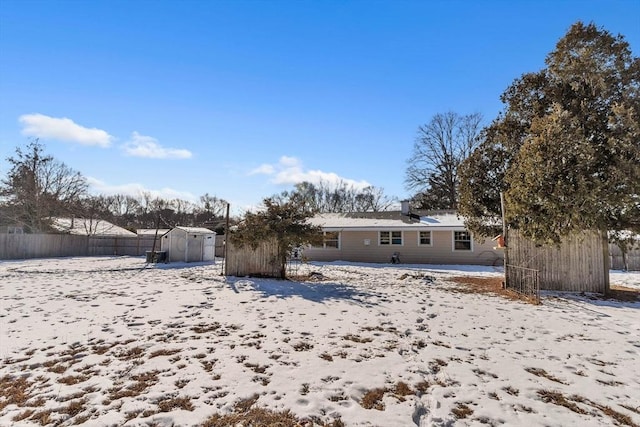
(524, 281)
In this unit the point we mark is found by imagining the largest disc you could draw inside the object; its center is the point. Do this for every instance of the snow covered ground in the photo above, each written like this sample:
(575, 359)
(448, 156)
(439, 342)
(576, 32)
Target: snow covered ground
(113, 341)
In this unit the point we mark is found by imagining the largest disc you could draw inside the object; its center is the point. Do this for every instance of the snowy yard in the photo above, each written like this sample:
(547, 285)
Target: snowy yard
(113, 341)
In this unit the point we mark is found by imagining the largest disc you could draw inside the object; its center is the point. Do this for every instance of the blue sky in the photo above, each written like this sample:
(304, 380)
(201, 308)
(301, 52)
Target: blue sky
(241, 99)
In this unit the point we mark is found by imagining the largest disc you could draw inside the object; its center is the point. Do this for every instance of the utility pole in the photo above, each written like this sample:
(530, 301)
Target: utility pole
(226, 240)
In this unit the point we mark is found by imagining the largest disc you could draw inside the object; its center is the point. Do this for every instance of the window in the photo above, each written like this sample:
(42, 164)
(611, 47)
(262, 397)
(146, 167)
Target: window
(461, 241)
(330, 239)
(390, 238)
(424, 238)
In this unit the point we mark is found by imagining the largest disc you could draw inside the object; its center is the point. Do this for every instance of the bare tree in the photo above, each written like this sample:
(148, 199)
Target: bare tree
(212, 206)
(38, 187)
(340, 197)
(440, 147)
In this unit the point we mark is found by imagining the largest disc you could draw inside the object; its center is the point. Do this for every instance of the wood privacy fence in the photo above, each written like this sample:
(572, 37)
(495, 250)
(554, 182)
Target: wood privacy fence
(246, 261)
(632, 258)
(579, 264)
(23, 246)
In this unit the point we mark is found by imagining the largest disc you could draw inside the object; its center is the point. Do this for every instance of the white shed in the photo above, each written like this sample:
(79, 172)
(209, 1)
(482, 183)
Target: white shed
(189, 244)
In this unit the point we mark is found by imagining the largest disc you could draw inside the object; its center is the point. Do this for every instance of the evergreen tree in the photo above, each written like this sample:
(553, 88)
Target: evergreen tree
(565, 151)
(285, 222)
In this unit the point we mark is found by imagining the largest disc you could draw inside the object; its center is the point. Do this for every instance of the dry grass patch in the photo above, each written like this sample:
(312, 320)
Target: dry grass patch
(542, 373)
(302, 346)
(73, 408)
(207, 365)
(14, 390)
(512, 391)
(42, 417)
(132, 353)
(483, 373)
(181, 383)
(58, 369)
(23, 415)
(73, 379)
(401, 390)
(461, 411)
(326, 356)
(244, 405)
(441, 344)
(69, 397)
(304, 389)
(622, 293)
(142, 382)
(557, 398)
(436, 365)
(171, 403)
(338, 397)
(372, 399)
(570, 402)
(10, 361)
(422, 387)
(164, 352)
(257, 368)
(487, 285)
(611, 383)
(357, 338)
(266, 417)
(102, 349)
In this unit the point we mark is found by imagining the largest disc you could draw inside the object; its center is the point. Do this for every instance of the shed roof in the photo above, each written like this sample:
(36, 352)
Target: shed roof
(195, 230)
(151, 231)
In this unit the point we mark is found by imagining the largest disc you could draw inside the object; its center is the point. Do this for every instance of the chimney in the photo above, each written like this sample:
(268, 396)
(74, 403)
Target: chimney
(404, 207)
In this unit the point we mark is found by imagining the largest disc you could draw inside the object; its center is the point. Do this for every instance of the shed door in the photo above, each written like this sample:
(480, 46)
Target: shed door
(194, 248)
(209, 249)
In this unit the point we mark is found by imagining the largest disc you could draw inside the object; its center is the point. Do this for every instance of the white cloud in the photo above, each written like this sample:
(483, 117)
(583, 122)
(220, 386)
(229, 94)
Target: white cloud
(147, 146)
(290, 170)
(63, 129)
(135, 190)
(263, 170)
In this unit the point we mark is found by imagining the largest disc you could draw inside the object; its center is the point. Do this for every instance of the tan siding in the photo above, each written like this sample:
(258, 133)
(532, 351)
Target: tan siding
(352, 248)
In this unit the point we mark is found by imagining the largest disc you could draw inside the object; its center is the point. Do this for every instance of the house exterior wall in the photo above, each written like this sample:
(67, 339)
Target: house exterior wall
(353, 248)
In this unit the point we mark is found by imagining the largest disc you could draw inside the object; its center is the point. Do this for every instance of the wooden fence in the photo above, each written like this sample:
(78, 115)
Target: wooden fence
(24, 246)
(245, 261)
(579, 264)
(632, 258)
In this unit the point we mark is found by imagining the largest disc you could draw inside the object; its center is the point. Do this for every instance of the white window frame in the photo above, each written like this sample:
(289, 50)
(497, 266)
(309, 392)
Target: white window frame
(453, 241)
(430, 238)
(390, 232)
(324, 240)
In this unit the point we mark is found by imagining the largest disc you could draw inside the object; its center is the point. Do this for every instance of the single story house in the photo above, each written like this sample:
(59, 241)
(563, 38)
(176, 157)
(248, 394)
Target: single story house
(421, 237)
(189, 244)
